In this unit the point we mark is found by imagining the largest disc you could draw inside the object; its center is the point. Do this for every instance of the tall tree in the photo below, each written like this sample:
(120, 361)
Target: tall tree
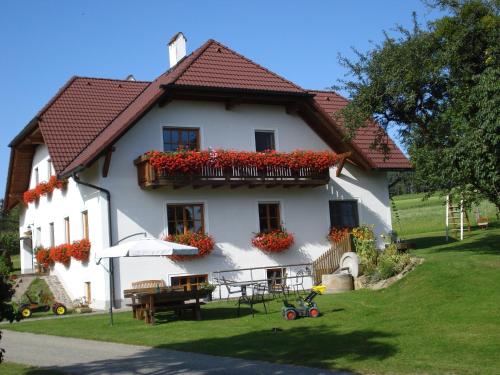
(439, 86)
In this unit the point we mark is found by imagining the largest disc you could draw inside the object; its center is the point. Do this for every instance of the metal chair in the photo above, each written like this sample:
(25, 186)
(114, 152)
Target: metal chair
(231, 289)
(299, 282)
(257, 297)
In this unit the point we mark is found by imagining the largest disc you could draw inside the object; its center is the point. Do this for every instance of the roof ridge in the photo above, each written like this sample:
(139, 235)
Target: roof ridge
(210, 41)
(111, 79)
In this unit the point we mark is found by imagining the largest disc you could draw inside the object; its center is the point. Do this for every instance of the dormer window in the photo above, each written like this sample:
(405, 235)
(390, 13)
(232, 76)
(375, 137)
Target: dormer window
(264, 140)
(175, 139)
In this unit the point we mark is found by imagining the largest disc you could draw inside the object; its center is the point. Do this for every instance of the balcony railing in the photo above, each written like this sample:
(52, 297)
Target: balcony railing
(234, 177)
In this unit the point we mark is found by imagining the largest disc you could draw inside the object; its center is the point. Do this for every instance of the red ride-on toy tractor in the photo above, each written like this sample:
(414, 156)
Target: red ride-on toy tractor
(306, 306)
(44, 304)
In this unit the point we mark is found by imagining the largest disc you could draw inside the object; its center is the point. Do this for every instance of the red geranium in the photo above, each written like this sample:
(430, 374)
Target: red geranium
(202, 241)
(61, 253)
(80, 250)
(274, 242)
(336, 235)
(193, 162)
(43, 188)
(43, 257)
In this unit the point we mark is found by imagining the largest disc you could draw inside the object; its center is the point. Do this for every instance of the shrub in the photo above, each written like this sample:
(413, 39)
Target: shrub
(9, 241)
(5, 268)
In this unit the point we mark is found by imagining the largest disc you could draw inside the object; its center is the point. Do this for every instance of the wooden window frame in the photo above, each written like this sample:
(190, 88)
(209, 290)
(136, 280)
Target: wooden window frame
(67, 230)
(268, 132)
(85, 224)
(180, 130)
(184, 218)
(52, 238)
(268, 216)
(188, 283)
(337, 201)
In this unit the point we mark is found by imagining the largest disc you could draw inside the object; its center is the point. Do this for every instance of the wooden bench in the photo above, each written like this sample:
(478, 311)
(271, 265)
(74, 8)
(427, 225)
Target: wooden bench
(148, 301)
(137, 306)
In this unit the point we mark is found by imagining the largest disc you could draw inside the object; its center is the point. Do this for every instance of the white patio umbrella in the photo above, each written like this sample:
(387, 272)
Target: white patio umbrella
(143, 247)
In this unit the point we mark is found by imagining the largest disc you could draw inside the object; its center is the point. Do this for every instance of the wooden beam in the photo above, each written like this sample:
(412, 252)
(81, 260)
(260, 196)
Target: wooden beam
(340, 166)
(107, 162)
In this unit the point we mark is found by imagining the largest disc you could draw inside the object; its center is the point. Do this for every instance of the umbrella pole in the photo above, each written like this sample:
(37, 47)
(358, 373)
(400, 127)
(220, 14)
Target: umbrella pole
(111, 291)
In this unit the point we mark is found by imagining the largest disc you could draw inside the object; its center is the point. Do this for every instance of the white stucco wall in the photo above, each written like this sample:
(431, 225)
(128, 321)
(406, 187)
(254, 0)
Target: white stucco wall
(231, 214)
(70, 202)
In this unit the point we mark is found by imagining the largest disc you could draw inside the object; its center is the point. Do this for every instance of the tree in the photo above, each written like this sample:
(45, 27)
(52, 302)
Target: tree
(6, 309)
(439, 87)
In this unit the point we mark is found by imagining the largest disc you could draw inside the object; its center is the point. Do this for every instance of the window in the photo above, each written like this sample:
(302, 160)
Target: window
(49, 169)
(67, 237)
(37, 177)
(38, 239)
(183, 218)
(344, 214)
(276, 275)
(181, 138)
(51, 233)
(88, 292)
(264, 140)
(269, 217)
(188, 281)
(85, 225)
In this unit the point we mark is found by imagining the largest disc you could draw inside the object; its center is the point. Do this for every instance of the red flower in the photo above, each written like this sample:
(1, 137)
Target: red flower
(61, 253)
(43, 188)
(30, 196)
(336, 235)
(80, 250)
(273, 242)
(43, 257)
(204, 242)
(193, 162)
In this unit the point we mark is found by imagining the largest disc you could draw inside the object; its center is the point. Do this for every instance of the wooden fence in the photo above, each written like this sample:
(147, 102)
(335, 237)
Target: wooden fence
(329, 261)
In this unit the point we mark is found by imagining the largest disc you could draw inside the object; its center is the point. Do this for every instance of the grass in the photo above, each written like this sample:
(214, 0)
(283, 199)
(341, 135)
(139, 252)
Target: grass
(418, 215)
(9, 368)
(441, 318)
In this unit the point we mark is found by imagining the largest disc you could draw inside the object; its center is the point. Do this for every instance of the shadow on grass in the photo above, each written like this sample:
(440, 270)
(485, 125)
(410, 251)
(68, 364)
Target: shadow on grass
(480, 242)
(217, 313)
(317, 346)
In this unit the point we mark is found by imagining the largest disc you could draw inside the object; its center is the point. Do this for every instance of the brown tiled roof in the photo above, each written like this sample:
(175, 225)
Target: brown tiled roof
(79, 112)
(211, 65)
(88, 115)
(331, 102)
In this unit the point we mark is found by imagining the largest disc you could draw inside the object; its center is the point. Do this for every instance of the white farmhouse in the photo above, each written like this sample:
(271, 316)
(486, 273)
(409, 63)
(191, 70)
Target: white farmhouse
(94, 131)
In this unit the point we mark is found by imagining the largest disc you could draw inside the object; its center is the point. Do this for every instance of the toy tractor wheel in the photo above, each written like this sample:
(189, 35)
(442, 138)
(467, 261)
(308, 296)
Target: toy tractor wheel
(59, 309)
(314, 312)
(290, 315)
(25, 312)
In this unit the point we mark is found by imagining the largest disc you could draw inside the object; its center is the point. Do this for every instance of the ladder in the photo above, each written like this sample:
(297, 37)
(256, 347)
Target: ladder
(455, 215)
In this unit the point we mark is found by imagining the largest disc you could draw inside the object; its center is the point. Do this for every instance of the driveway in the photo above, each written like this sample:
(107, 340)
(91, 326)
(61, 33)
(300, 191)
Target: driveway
(88, 357)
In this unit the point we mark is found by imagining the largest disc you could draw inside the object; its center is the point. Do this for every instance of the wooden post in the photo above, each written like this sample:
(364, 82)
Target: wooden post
(447, 210)
(461, 220)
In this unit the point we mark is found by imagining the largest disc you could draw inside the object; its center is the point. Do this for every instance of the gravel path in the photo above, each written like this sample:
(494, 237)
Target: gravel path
(88, 357)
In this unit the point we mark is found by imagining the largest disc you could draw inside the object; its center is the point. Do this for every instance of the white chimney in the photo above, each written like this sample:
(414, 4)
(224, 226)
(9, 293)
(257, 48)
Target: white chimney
(176, 48)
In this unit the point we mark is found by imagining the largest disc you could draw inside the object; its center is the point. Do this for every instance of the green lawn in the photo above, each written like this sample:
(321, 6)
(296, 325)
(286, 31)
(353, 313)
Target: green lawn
(441, 318)
(8, 368)
(420, 216)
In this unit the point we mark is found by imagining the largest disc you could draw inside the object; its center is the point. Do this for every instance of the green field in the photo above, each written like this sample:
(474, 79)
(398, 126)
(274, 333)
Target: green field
(442, 318)
(418, 216)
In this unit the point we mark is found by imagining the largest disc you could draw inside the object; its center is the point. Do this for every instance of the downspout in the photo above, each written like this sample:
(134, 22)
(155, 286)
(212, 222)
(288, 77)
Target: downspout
(111, 264)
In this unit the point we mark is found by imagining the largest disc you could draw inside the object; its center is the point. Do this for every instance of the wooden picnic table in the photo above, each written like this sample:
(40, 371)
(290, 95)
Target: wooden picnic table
(147, 301)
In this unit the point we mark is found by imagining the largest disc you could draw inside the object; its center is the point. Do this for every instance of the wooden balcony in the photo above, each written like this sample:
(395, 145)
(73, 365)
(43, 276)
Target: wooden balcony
(148, 178)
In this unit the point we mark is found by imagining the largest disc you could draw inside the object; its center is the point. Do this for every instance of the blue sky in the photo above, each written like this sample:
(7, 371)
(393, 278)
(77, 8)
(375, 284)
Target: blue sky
(44, 43)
